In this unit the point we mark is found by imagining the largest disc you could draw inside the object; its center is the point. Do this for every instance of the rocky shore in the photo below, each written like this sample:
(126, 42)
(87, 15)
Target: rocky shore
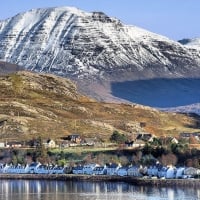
(131, 180)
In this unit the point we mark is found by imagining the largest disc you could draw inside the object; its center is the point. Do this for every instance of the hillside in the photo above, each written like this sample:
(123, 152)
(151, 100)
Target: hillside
(99, 52)
(45, 105)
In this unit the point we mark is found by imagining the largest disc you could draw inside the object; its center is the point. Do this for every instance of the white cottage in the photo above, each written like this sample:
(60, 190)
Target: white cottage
(134, 171)
(17, 169)
(88, 169)
(1, 167)
(112, 169)
(162, 171)
(191, 172)
(171, 172)
(180, 172)
(42, 169)
(100, 170)
(77, 170)
(152, 171)
(50, 143)
(33, 167)
(122, 171)
(57, 170)
(5, 168)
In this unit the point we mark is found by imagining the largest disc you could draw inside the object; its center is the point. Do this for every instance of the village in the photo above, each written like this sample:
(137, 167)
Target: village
(76, 140)
(155, 170)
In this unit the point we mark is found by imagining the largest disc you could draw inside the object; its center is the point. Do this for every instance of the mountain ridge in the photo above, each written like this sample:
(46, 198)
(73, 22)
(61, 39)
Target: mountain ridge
(68, 41)
(93, 49)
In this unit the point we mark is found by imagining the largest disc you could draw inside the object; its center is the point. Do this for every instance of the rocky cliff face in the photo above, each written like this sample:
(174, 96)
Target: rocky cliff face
(69, 42)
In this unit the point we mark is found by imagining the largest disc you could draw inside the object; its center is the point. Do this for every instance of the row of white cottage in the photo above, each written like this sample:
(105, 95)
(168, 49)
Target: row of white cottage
(111, 170)
(152, 171)
(33, 168)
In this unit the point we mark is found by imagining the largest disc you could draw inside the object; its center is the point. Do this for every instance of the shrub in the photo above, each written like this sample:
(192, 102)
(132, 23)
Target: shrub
(118, 137)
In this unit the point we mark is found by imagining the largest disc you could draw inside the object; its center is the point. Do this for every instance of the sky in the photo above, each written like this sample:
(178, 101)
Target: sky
(175, 19)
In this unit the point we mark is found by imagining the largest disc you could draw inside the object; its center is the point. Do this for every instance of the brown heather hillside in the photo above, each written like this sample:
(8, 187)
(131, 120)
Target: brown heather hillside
(45, 105)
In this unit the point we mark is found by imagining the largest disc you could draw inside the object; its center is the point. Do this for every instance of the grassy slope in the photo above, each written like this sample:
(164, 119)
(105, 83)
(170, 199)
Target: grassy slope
(45, 105)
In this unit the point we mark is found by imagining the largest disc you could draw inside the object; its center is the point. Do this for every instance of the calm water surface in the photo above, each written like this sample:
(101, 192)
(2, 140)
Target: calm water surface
(58, 190)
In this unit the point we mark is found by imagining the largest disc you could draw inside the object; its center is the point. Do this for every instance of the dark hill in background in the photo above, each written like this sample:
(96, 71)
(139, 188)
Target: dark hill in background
(6, 68)
(160, 93)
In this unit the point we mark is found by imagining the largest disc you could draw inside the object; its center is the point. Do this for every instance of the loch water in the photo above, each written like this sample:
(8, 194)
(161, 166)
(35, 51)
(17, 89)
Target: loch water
(74, 190)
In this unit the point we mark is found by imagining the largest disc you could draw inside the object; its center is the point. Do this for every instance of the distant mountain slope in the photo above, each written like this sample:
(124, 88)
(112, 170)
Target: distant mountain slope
(160, 92)
(9, 68)
(191, 43)
(192, 108)
(49, 106)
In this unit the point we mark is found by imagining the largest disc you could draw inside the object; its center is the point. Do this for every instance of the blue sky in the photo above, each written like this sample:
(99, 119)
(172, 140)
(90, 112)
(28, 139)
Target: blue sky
(175, 19)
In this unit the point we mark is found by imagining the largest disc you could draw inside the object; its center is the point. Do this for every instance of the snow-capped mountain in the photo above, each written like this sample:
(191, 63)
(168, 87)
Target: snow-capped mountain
(70, 42)
(100, 53)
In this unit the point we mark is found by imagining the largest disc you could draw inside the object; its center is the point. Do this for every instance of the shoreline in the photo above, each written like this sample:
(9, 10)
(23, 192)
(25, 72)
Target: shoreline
(105, 178)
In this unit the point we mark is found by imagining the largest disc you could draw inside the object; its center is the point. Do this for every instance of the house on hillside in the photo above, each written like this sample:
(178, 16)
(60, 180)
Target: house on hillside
(2, 144)
(64, 144)
(129, 143)
(196, 135)
(174, 140)
(74, 138)
(49, 143)
(14, 144)
(185, 135)
(138, 143)
(144, 136)
(88, 141)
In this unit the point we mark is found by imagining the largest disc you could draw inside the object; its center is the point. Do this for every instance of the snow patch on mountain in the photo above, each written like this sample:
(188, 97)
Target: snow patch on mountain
(191, 43)
(193, 108)
(194, 43)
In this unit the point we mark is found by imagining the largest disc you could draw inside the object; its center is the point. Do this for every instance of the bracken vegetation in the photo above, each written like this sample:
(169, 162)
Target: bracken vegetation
(33, 105)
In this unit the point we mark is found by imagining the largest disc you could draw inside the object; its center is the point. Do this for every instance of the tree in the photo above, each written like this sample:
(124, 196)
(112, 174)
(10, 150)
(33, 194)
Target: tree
(118, 137)
(41, 152)
(178, 148)
(169, 159)
(137, 157)
(193, 140)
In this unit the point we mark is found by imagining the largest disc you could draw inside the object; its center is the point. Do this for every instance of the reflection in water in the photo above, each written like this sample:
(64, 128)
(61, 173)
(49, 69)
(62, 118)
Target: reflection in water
(59, 190)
